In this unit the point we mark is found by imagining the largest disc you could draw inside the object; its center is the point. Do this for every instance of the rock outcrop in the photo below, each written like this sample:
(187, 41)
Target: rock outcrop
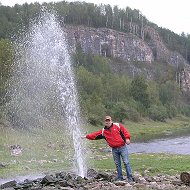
(109, 43)
(129, 48)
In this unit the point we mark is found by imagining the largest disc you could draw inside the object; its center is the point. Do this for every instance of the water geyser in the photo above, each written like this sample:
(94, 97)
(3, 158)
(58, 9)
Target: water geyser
(43, 74)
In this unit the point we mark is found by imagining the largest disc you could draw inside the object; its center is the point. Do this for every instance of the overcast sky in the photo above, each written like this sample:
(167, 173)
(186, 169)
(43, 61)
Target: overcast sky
(170, 14)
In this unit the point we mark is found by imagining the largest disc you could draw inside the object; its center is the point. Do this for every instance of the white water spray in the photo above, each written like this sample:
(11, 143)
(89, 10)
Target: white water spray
(44, 70)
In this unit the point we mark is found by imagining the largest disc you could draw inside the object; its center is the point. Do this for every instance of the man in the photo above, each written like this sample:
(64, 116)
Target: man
(117, 138)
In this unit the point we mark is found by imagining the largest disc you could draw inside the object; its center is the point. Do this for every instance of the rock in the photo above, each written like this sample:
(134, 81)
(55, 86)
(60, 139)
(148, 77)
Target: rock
(15, 150)
(140, 180)
(91, 173)
(8, 184)
(66, 188)
(49, 188)
(178, 183)
(70, 183)
(153, 185)
(69, 176)
(63, 183)
(120, 183)
(102, 175)
(139, 186)
(79, 179)
(185, 177)
(61, 175)
(2, 165)
(48, 179)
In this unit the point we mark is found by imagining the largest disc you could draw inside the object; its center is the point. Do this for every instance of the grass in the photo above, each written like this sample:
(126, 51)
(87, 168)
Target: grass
(50, 149)
(42, 150)
(152, 163)
(160, 163)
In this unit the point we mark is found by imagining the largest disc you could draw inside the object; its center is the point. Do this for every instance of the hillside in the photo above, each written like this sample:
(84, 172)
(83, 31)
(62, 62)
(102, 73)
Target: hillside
(125, 65)
(108, 31)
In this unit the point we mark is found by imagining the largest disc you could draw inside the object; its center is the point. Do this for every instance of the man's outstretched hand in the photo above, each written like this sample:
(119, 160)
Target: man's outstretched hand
(83, 137)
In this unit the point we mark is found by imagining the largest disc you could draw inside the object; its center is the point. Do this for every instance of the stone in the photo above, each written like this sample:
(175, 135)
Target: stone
(102, 175)
(120, 183)
(2, 165)
(48, 179)
(91, 173)
(8, 184)
(63, 183)
(185, 177)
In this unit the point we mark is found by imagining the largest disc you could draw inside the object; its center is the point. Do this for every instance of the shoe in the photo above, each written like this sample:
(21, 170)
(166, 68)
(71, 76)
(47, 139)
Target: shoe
(131, 179)
(118, 179)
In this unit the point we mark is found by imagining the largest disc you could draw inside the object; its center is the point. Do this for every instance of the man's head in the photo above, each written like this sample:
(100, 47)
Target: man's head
(108, 121)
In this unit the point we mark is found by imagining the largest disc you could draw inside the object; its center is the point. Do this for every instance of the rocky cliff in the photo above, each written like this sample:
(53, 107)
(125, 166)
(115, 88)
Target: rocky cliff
(129, 48)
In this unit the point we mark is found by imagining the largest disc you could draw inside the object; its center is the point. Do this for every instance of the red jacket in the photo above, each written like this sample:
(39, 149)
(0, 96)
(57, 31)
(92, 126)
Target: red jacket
(112, 135)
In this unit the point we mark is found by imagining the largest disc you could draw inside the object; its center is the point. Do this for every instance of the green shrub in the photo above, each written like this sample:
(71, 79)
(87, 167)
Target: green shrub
(186, 111)
(95, 111)
(171, 111)
(94, 119)
(120, 111)
(133, 115)
(158, 113)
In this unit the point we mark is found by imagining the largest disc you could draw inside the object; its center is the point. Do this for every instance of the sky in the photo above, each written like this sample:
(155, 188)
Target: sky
(170, 14)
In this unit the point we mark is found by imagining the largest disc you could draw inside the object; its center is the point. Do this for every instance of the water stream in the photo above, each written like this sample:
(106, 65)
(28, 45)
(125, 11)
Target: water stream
(180, 145)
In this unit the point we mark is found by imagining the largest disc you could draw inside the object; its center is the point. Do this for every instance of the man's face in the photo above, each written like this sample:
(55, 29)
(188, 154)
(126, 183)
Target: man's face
(108, 122)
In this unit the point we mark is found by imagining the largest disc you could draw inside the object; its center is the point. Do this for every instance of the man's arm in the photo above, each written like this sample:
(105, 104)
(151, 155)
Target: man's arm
(94, 136)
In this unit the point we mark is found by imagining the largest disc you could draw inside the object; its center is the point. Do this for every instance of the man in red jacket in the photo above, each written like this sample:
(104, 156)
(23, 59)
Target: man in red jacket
(117, 138)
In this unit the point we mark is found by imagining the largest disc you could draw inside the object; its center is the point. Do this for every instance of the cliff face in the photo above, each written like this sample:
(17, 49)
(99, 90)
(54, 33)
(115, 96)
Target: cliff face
(109, 43)
(129, 48)
(160, 51)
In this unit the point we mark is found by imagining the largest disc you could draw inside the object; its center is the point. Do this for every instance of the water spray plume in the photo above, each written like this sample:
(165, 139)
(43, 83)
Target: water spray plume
(43, 74)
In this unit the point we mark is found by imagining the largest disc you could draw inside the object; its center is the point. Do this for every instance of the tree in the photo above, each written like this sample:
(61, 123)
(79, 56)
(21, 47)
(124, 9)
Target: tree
(169, 93)
(158, 113)
(94, 109)
(138, 91)
(88, 83)
(116, 88)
